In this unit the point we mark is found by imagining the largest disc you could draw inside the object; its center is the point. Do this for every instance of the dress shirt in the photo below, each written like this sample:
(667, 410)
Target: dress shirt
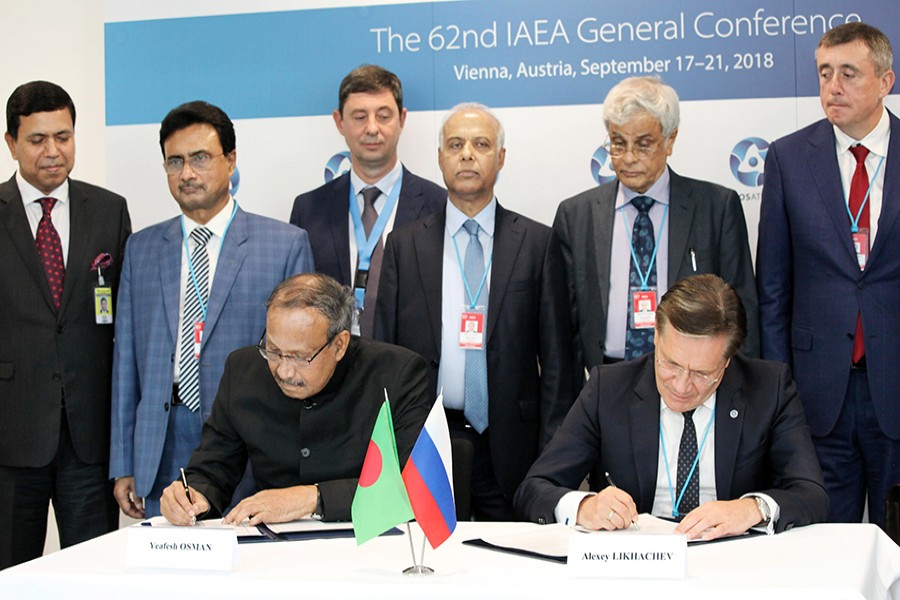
(451, 373)
(620, 258)
(217, 225)
(59, 215)
(386, 186)
(877, 143)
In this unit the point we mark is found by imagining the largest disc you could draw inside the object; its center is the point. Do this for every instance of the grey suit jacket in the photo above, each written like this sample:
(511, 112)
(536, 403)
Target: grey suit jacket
(703, 216)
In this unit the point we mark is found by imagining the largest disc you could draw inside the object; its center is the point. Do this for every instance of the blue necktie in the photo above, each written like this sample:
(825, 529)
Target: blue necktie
(188, 364)
(476, 393)
(640, 341)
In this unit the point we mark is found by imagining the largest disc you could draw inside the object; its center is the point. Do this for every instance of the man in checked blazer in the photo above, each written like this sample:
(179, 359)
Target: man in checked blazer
(55, 353)
(154, 427)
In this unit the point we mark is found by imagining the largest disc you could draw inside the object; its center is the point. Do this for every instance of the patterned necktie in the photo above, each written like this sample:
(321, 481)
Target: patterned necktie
(188, 364)
(369, 216)
(476, 392)
(640, 341)
(49, 249)
(687, 454)
(859, 185)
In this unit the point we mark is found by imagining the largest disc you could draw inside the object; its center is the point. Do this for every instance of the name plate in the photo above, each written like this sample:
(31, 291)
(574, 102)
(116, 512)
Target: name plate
(166, 546)
(627, 554)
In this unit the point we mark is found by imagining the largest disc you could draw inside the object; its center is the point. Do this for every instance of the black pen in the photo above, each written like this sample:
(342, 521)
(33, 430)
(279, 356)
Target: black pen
(187, 492)
(613, 484)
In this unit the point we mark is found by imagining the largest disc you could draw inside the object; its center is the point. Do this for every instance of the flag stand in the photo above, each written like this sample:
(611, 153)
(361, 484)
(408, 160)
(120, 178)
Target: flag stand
(418, 569)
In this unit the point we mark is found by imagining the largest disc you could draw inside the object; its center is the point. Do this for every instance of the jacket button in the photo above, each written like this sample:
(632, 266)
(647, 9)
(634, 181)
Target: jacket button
(166, 407)
(59, 329)
(304, 452)
(57, 377)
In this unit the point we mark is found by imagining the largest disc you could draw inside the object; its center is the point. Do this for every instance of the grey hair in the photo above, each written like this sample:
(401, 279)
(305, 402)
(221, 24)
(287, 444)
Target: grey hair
(464, 106)
(635, 95)
(320, 292)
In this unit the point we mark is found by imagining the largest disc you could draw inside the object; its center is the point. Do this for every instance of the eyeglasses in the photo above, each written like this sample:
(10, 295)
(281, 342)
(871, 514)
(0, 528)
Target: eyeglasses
(199, 161)
(642, 149)
(274, 356)
(701, 380)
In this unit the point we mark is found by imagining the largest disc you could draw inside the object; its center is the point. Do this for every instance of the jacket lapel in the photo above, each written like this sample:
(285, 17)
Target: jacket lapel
(824, 171)
(508, 238)
(730, 411)
(338, 207)
(603, 214)
(890, 207)
(231, 257)
(643, 418)
(80, 232)
(170, 274)
(681, 219)
(429, 243)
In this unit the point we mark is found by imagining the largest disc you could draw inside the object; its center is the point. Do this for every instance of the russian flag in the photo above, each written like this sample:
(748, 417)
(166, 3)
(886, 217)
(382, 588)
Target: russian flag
(427, 478)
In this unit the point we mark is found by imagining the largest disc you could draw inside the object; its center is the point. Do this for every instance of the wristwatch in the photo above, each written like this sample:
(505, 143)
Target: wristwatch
(319, 513)
(763, 509)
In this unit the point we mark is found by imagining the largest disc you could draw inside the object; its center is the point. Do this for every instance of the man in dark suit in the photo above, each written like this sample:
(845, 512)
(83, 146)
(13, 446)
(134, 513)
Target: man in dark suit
(693, 226)
(165, 378)
(829, 270)
(479, 292)
(302, 413)
(61, 245)
(348, 237)
(693, 431)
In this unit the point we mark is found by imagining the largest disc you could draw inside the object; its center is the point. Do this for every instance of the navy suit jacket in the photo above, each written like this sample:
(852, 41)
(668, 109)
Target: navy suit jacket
(528, 337)
(256, 254)
(323, 214)
(703, 216)
(810, 286)
(762, 443)
(47, 354)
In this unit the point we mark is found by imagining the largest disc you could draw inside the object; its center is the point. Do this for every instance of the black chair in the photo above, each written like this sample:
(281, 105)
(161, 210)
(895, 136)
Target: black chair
(462, 452)
(892, 514)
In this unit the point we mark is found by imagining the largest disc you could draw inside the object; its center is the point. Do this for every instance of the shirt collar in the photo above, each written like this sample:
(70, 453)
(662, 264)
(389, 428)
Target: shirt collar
(659, 191)
(31, 194)
(710, 404)
(486, 218)
(876, 140)
(218, 224)
(385, 185)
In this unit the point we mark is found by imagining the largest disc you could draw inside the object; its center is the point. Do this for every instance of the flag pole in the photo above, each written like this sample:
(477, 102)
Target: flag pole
(417, 568)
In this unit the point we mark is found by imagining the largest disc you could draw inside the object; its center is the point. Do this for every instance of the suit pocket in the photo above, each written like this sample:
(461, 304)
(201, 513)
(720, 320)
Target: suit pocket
(7, 370)
(801, 338)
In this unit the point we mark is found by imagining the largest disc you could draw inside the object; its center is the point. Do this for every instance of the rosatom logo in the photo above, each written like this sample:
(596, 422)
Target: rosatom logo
(235, 181)
(601, 166)
(748, 159)
(336, 166)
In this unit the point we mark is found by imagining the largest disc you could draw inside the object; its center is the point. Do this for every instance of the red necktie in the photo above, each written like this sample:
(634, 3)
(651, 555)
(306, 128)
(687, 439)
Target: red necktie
(859, 185)
(50, 250)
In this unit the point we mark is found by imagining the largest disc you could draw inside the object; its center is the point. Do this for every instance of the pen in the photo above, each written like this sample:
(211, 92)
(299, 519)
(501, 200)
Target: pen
(612, 483)
(187, 492)
(694, 260)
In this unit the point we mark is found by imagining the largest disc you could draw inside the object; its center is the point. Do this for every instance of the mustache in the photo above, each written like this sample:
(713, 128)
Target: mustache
(291, 382)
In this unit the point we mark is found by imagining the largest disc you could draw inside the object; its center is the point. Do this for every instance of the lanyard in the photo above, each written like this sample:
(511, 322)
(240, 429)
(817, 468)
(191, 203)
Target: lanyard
(365, 247)
(854, 223)
(196, 285)
(637, 266)
(472, 299)
(687, 480)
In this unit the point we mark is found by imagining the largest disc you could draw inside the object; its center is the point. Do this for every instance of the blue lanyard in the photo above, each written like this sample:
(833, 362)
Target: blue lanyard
(365, 247)
(854, 223)
(191, 262)
(645, 276)
(472, 299)
(662, 442)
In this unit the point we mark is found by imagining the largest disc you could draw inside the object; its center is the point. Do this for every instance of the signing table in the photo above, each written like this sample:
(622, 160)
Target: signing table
(820, 561)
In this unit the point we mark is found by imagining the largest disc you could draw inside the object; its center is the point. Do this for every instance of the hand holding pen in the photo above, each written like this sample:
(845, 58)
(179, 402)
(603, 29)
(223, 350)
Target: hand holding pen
(613, 485)
(180, 504)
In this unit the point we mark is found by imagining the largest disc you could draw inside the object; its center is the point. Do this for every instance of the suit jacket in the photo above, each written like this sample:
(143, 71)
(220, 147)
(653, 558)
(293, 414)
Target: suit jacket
(51, 357)
(702, 215)
(322, 439)
(762, 443)
(323, 214)
(810, 285)
(528, 337)
(256, 254)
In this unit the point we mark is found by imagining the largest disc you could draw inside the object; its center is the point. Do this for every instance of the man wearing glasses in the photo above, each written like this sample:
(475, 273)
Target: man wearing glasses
(301, 406)
(695, 430)
(627, 241)
(193, 290)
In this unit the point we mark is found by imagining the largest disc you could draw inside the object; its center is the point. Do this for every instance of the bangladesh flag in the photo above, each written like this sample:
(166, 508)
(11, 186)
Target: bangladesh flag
(381, 501)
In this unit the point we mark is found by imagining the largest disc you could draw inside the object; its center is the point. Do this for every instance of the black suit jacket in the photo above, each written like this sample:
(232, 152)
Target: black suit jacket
(762, 443)
(47, 356)
(703, 216)
(323, 214)
(529, 356)
(322, 439)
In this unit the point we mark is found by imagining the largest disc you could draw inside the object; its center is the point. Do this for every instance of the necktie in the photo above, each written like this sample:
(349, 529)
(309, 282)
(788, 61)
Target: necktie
(476, 392)
(188, 364)
(687, 453)
(640, 341)
(859, 185)
(369, 216)
(49, 249)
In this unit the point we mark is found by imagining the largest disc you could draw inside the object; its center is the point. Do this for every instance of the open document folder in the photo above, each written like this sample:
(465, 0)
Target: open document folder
(304, 529)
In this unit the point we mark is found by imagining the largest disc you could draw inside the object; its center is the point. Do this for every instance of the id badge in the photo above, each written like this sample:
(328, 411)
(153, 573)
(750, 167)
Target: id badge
(643, 308)
(471, 330)
(103, 311)
(198, 338)
(861, 245)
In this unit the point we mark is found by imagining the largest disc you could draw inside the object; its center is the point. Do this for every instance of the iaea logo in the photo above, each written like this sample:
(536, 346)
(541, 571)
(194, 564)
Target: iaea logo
(748, 160)
(601, 166)
(337, 165)
(235, 181)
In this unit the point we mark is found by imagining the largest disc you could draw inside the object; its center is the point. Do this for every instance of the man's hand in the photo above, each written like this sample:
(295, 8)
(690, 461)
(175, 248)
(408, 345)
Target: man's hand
(275, 506)
(176, 507)
(611, 508)
(131, 505)
(720, 518)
